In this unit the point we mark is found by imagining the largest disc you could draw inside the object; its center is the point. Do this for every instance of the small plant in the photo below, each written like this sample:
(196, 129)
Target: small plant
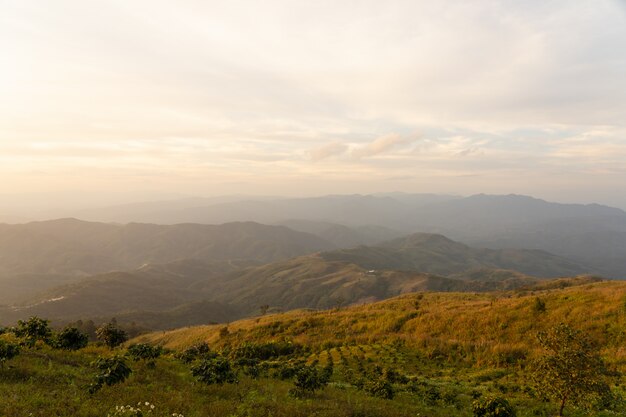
(112, 371)
(380, 388)
(539, 306)
(8, 351)
(142, 409)
(198, 351)
(307, 380)
(111, 335)
(215, 371)
(144, 351)
(33, 330)
(70, 338)
(492, 407)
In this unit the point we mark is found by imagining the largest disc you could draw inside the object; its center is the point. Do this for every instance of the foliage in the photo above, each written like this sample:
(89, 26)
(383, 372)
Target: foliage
(539, 305)
(380, 388)
(215, 371)
(111, 371)
(33, 330)
(308, 379)
(8, 351)
(571, 370)
(70, 338)
(264, 351)
(144, 351)
(492, 407)
(111, 335)
(197, 351)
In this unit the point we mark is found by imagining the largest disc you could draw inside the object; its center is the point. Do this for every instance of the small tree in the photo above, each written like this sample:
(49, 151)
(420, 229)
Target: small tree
(571, 370)
(492, 407)
(71, 338)
(33, 330)
(539, 306)
(111, 335)
(308, 379)
(8, 351)
(111, 371)
(215, 371)
(144, 352)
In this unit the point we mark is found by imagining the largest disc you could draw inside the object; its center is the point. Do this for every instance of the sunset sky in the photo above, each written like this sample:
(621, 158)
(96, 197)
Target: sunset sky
(138, 99)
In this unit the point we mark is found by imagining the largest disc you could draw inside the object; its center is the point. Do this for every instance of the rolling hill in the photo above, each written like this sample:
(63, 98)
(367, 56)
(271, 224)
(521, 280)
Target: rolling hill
(169, 294)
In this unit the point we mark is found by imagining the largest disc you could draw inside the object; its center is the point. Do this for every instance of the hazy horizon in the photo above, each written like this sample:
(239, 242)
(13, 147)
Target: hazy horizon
(118, 102)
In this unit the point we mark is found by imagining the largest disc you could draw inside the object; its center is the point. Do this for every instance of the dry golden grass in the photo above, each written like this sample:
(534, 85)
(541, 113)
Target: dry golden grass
(495, 328)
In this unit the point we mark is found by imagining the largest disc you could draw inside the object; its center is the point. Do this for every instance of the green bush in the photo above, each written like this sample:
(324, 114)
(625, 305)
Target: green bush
(111, 371)
(111, 335)
(198, 351)
(492, 407)
(380, 388)
(308, 379)
(8, 351)
(33, 330)
(143, 351)
(215, 371)
(70, 338)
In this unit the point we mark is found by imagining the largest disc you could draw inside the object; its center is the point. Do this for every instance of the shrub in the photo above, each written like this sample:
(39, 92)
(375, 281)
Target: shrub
(70, 338)
(33, 330)
(198, 351)
(492, 407)
(307, 380)
(112, 371)
(8, 351)
(215, 371)
(144, 351)
(380, 388)
(111, 335)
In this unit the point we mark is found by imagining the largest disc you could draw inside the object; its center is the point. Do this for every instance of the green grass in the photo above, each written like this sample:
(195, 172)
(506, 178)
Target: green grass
(456, 347)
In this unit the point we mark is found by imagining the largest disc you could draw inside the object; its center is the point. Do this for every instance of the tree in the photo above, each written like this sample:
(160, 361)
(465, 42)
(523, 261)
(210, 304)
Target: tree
(8, 351)
(144, 352)
(111, 335)
(264, 308)
(215, 371)
(492, 407)
(571, 369)
(71, 338)
(111, 371)
(308, 379)
(33, 330)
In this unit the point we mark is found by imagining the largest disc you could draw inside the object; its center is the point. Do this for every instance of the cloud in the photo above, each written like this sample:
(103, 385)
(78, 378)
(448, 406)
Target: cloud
(381, 145)
(326, 151)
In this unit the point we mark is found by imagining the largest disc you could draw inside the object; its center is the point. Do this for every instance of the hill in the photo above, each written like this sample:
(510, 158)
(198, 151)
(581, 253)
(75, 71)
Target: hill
(471, 327)
(591, 234)
(437, 254)
(420, 262)
(68, 248)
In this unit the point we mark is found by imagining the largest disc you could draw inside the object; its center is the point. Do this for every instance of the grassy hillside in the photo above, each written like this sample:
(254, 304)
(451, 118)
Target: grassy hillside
(469, 327)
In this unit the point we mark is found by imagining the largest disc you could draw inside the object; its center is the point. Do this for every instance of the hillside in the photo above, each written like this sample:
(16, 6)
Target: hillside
(475, 328)
(439, 255)
(69, 248)
(420, 262)
(591, 234)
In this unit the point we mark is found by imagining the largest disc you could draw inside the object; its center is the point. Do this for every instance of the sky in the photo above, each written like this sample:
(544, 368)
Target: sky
(130, 100)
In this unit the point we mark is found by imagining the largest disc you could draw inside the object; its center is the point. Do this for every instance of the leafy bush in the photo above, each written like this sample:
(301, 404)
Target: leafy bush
(265, 351)
(8, 351)
(492, 407)
(111, 335)
(144, 351)
(70, 338)
(198, 351)
(308, 379)
(380, 388)
(33, 330)
(112, 371)
(215, 371)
